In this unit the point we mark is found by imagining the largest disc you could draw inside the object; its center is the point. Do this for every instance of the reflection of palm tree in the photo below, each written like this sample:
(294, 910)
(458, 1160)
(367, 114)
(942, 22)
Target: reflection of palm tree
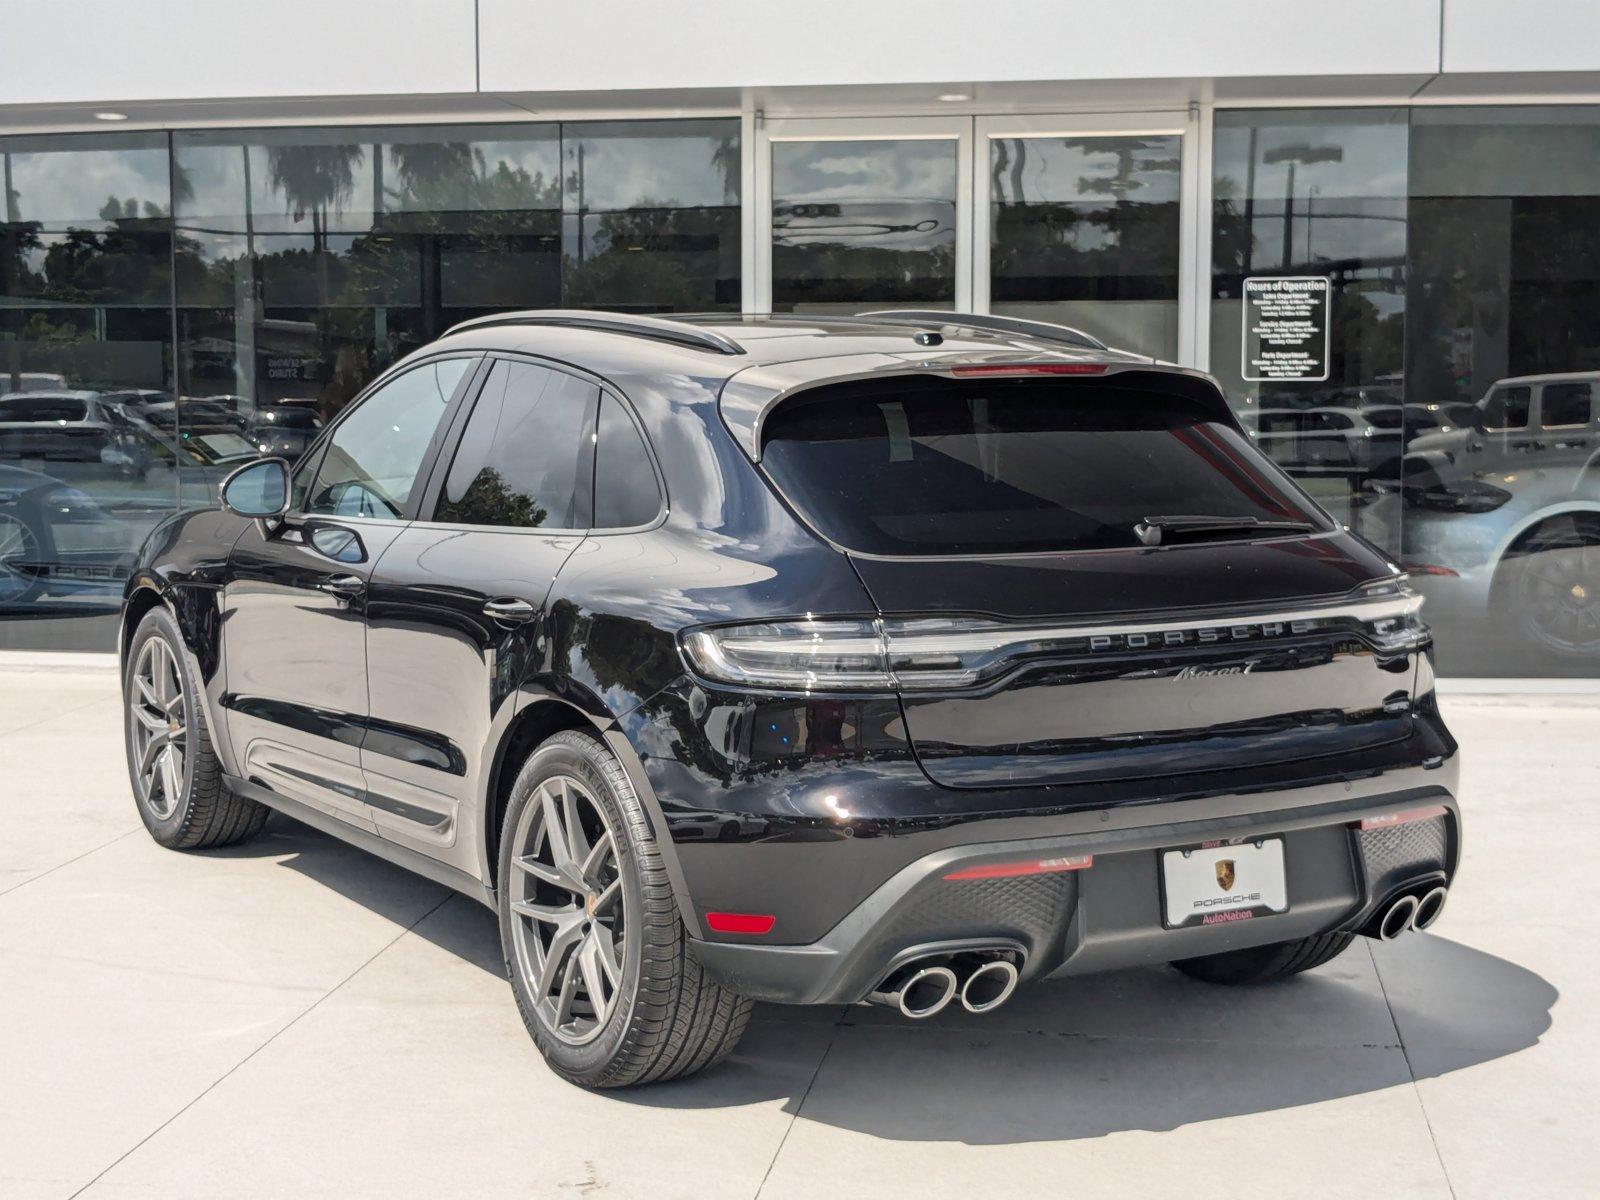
(488, 501)
(725, 157)
(315, 180)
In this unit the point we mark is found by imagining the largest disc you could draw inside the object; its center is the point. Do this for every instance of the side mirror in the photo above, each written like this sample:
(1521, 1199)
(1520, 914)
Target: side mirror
(259, 490)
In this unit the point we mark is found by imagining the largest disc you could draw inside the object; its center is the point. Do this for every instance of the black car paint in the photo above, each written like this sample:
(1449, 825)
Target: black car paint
(602, 653)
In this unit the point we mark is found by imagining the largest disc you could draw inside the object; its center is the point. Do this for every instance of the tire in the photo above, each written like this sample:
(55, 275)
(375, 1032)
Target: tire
(1548, 587)
(660, 1016)
(199, 812)
(1264, 964)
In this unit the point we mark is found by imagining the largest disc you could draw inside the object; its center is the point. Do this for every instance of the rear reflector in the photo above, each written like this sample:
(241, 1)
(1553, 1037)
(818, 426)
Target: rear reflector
(1403, 818)
(1029, 369)
(1429, 569)
(740, 922)
(1037, 866)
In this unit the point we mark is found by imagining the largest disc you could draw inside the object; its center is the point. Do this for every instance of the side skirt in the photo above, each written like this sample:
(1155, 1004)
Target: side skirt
(401, 856)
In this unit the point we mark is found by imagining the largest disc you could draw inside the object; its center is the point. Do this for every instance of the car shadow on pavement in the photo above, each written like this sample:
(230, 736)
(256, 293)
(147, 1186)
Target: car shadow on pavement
(1144, 1049)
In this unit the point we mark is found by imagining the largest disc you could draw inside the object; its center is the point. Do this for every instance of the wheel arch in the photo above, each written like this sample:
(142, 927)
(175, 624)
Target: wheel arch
(1512, 543)
(538, 718)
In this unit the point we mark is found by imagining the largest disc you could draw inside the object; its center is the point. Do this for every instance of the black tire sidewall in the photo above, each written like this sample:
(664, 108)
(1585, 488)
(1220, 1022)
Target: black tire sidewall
(158, 623)
(583, 758)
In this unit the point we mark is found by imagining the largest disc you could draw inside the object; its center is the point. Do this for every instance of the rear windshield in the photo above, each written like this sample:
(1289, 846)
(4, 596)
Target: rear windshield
(41, 408)
(1018, 467)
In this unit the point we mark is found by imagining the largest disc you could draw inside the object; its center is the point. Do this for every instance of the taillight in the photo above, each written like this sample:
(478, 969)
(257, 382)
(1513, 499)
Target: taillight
(1032, 866)
(1410, 815)
(889, 654)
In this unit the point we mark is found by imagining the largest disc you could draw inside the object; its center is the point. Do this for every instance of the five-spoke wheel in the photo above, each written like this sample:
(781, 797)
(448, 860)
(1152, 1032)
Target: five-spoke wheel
(566, 894)
(158, 720)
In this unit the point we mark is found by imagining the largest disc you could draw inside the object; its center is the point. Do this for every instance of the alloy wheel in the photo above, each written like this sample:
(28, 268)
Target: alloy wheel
(158, 720)
(567, 909)
(18, 549)
(1560, 586)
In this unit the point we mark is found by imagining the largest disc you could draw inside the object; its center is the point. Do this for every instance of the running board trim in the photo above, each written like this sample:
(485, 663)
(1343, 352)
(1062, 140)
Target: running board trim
(400, 856)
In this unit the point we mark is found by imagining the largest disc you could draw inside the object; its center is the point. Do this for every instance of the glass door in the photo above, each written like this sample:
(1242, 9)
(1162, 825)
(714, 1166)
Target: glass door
(1088, 221)
(859, 214)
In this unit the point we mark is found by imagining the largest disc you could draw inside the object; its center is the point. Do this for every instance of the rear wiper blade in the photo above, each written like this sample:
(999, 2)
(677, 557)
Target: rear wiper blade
(1151, 530)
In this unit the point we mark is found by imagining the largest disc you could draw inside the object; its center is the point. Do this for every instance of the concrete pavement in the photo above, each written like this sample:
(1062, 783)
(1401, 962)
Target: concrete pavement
(296, 1018)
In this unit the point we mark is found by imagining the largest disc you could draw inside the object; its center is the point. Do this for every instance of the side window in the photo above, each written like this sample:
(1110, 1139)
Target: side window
(525, 456)
(625, 490)
(1563, 404)
(1507, 408)
(374, 455)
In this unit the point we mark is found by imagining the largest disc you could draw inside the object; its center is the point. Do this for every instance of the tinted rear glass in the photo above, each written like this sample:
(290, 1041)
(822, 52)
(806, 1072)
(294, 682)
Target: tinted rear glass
(1004, 468)
(42, 408)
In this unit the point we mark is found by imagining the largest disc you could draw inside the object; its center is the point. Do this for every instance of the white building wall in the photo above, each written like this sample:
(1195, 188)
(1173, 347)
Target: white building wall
(67, 51)
(777, 43)
(1521, 35)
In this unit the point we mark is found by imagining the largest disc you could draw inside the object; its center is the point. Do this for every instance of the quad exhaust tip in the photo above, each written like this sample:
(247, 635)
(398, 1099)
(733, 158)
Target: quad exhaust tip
(989, 986)
(1429, 908)
(927, 987)
(923, 992)
(1397, 918)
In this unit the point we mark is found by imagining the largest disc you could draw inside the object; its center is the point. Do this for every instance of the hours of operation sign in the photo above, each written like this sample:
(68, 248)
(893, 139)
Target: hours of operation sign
(1285, 328)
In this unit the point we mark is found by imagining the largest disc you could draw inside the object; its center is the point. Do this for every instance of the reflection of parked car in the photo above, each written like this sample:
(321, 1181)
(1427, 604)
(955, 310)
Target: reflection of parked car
(33, 562)
(71, 426)
(283, 432)
(1503, 517)
(1329, 441)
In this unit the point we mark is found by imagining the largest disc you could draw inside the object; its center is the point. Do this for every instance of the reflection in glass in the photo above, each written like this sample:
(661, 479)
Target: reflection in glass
(862, 223)
(524, 457)
(1502, 503)
(310, 260)
(1084, 231)
(1320, 193)
(651, 216)
(85, 334)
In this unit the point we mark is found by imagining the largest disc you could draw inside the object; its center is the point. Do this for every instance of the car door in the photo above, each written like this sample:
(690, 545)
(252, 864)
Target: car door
(1506, 430)
(456, 610)
(1565, 416)
(294, 605)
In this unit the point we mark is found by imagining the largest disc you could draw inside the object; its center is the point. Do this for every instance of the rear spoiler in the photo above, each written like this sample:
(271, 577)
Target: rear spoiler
(750, 397)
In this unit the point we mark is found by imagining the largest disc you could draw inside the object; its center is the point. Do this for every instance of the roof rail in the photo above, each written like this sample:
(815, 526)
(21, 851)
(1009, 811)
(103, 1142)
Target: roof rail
(679, 333)
(1042, 330)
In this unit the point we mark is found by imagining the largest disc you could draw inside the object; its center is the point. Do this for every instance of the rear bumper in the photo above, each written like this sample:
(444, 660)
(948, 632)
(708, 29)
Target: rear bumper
(1108, 915)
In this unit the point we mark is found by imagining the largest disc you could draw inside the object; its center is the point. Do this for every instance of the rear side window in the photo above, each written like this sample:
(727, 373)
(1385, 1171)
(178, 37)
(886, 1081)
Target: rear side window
(1564, 404)
(625, 491)
(525, 455)
(1507, 408)
(1005, 468)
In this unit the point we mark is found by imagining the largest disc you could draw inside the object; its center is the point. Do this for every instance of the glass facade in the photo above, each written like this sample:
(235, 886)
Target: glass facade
(863, 224)
(1458, 425)
(88, 458)
(1084, 231)
(174, 305)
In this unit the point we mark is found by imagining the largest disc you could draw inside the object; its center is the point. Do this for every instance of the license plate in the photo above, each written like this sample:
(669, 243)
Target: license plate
(1219, 882)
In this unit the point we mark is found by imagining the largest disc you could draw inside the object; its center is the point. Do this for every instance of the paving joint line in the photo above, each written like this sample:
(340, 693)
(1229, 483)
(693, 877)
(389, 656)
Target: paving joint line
(1416, 1090)
(290, 1024)
(75, 858)
(795, 1116)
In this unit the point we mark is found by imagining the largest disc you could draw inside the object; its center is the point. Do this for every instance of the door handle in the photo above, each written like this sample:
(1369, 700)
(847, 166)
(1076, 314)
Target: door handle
(514, 611)
(346, 587)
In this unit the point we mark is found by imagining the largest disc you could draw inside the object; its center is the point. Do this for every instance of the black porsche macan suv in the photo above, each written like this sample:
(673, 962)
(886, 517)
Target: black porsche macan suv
(815, 660)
